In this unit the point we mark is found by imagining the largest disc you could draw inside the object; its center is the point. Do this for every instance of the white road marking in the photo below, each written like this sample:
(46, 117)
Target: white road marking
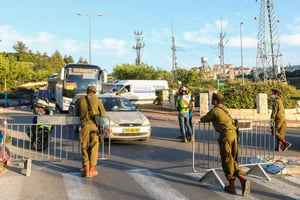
(220, 191)
(285, 189)
(11, 187)
(78, 188)
(156, 187)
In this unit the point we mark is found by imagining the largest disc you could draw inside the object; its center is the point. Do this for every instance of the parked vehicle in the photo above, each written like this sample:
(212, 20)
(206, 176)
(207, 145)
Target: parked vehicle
(140, 91)
(123, 121)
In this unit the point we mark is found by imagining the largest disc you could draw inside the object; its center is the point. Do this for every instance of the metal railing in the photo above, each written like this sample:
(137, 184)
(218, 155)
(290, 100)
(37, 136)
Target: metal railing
(256, 145)
(62, 142)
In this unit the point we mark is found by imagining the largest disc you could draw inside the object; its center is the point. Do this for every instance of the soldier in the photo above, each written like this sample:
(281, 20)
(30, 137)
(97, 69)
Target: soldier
(228, 144)
(278, 116)
(116, 91)
(89, 133)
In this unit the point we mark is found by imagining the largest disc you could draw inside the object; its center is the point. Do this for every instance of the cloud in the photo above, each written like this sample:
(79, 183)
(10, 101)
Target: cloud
(293, 40)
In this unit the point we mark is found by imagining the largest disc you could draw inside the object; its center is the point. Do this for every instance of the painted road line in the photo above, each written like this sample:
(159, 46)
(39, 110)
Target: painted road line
(286, 189)
(78, 188)
(219, 190)
(156, 187)
(11, 187)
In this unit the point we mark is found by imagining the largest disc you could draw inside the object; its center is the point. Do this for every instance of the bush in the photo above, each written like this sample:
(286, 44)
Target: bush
(244, 96)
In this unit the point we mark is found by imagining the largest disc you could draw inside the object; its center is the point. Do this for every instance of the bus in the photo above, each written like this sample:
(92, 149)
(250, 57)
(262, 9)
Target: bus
(74, 79)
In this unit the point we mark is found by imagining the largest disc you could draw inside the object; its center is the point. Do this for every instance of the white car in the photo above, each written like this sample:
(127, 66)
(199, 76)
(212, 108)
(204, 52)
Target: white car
(123, 121)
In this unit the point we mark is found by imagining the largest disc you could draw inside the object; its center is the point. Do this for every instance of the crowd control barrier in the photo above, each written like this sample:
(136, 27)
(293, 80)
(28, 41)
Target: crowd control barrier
(63, 141)
(256, 144)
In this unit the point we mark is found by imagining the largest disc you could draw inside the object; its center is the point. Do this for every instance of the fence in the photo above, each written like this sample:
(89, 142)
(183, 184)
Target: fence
(256, 146)
(8, 99)
(19, 142)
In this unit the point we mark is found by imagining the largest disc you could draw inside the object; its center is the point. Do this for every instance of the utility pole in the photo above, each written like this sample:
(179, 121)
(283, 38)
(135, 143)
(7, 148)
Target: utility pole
(139, 45)
(269, 55)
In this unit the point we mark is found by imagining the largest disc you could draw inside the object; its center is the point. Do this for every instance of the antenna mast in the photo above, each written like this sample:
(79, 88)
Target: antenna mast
(174, 63)
(139, 45)
(269, 55)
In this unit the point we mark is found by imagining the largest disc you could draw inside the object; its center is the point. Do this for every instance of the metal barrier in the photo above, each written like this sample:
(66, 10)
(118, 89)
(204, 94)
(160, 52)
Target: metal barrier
(256, 146)
(63, 140)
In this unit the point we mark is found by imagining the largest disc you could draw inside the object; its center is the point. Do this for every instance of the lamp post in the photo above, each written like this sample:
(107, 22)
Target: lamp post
(90, 42)
(242, 63)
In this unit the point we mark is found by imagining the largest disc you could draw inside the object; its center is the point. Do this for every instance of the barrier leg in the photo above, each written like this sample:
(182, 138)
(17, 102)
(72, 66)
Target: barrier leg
(257, 170)
(213, 178)
(27, 167)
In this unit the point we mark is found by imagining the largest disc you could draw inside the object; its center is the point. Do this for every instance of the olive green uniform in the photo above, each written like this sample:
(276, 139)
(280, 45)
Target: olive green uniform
(278, 115)
(88, 134)
(223, 124)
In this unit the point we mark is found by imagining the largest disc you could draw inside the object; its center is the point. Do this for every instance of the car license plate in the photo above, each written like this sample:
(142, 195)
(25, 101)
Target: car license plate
(131, 130)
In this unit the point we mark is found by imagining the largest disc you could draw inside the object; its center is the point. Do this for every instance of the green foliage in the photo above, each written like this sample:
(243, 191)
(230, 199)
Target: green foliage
(244, 96)
(25, 66)
(139, 72)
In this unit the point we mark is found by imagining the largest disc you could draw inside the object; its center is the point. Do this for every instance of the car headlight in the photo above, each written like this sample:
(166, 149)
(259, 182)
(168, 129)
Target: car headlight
(146, 122)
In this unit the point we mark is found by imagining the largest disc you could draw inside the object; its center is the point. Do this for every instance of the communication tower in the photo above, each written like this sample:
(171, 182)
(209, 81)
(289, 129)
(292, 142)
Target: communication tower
(269, 55)
(139, 45)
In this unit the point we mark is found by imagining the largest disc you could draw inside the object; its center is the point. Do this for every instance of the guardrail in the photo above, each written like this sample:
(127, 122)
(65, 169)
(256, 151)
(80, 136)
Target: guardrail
(16, 98)
(255, 147)
(18, 141)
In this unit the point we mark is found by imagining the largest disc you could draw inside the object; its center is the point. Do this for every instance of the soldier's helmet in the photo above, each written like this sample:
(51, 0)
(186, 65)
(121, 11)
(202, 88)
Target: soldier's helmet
(91, 89)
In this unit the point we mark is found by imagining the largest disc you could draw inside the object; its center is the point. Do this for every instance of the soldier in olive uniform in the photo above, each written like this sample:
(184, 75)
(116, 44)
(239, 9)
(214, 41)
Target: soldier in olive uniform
(89, 133)
(278, 116)
(228, 144)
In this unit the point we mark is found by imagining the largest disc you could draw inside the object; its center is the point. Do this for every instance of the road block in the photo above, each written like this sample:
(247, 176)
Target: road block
(256, 145)
(63, 143)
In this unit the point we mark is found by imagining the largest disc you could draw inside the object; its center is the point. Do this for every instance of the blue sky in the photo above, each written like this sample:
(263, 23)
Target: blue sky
(50, 25)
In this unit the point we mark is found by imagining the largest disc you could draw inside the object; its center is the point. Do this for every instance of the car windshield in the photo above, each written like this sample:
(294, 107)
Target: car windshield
(117, 104)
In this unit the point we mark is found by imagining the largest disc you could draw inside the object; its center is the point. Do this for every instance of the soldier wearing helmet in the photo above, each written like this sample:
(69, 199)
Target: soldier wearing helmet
(228, 144)
(89, 133)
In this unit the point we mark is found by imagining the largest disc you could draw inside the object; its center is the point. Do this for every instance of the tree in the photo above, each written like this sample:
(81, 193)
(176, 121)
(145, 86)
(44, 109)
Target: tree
(68, 59)
(20, 47)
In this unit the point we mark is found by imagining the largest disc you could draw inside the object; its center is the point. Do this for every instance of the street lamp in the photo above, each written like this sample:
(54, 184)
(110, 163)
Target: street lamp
(90, 43)
(242, 64)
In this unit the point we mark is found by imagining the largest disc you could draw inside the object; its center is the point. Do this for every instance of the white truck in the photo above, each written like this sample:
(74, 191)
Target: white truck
(140, 91)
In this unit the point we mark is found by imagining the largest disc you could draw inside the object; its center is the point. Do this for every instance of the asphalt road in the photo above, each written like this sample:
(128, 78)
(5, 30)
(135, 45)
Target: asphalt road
(159, 169)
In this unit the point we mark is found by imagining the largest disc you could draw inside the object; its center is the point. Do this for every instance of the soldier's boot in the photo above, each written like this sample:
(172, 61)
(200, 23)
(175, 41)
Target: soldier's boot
(86, 171)
(286, 145)
(230, 188)
(245, 184)
(278, 146)
(93, 172)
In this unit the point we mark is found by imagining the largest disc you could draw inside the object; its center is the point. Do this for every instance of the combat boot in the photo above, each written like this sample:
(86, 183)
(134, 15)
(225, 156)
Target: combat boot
(230, 188)
(86, 171)
(286, 145)
(245, 184)
(93, 172)
(278, 146)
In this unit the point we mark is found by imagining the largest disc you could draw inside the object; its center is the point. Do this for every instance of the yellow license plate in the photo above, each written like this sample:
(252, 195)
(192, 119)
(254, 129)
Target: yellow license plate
(131, 130)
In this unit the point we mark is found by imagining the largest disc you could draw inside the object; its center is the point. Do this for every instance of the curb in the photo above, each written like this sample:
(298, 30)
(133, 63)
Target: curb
(16, 107)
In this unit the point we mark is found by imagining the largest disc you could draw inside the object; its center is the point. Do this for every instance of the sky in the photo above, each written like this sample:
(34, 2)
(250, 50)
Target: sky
(49, 25)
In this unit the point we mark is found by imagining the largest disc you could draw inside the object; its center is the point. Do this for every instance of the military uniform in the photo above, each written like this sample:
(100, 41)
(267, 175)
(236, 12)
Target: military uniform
(88, 134)
(228, 144)
(278, 115)
(227, 140)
